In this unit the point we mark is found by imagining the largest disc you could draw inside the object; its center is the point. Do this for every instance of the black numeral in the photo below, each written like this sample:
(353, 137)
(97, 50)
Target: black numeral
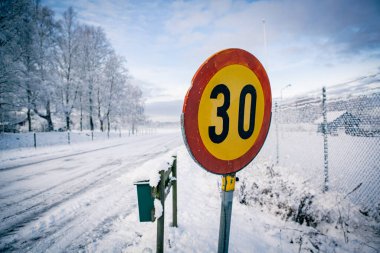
(221, 112)
(248, 89)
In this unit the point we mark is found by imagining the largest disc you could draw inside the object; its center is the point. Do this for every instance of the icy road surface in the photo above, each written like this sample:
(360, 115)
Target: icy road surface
(65, 199)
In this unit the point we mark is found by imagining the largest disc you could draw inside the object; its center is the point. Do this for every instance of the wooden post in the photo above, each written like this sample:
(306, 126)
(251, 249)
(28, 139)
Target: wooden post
(161, 220)
(35, 140)
(174, 174)
(68, 137)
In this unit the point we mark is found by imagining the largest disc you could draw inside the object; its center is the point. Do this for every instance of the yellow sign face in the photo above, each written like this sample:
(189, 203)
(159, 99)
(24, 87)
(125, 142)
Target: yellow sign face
(231, 112)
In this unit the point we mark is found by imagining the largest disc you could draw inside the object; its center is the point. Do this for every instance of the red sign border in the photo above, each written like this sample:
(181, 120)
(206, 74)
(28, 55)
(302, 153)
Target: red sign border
(190, 113)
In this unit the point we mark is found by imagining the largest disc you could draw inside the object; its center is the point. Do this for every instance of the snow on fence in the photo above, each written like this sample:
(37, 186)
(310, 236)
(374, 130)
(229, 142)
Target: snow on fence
(341, 137)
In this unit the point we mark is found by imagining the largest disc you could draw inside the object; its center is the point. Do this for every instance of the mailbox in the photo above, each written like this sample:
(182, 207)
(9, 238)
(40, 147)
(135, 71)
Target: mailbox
(145, 201)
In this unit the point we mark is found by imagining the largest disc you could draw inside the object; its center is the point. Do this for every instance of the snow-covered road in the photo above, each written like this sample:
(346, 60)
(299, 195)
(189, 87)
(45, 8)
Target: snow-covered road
(82, 198)
(64, 199)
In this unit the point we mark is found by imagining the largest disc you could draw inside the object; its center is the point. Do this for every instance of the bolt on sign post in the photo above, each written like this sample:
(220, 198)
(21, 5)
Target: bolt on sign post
(225, 120)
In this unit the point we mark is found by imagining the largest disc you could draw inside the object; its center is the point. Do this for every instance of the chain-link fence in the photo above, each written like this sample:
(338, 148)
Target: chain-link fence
(332, 138)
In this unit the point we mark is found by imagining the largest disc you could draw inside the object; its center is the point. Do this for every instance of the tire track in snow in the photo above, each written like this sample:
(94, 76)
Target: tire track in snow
(61, 157)
(10, 182)
(34, 215)
(60, 184)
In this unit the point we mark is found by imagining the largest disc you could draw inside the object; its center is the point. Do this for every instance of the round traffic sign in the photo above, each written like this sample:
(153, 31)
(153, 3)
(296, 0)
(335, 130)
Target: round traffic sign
(227, 111)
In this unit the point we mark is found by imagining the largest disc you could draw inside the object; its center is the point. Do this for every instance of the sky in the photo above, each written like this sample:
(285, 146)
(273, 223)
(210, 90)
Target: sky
(308, 44)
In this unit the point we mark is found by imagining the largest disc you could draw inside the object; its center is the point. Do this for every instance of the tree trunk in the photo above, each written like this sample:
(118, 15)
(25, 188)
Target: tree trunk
(67, 121)
(108, 123)
(91, 107)
(29, 96)
(81, 113)
(48, 117)
(101, 125)
(91, 123)
(29, 120)
(99, 113)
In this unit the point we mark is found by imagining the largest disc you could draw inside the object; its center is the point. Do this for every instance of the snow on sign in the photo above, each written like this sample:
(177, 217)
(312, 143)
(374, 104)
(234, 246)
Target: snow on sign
(227, 111)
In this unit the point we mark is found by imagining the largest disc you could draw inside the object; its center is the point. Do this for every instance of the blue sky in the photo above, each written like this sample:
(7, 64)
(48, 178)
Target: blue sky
(309, 44)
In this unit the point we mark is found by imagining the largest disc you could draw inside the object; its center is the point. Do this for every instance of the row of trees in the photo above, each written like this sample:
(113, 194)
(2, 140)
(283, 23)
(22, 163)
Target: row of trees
(60, 74)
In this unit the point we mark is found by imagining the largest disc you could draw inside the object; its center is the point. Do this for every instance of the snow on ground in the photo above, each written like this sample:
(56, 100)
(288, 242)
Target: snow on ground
(43, 139)
(81, 198)
(352, 160)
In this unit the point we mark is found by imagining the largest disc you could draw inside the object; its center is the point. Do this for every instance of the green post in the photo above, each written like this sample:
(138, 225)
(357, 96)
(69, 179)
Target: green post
(161, 220)
(174, 174)
(145, 201)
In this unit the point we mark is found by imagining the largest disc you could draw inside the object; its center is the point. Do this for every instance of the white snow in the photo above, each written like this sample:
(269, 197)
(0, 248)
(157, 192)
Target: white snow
(158, 209)
(82, 198)
(330, 116)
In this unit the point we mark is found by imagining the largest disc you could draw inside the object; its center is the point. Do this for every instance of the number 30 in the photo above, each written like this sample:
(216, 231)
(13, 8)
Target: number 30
(222, 112)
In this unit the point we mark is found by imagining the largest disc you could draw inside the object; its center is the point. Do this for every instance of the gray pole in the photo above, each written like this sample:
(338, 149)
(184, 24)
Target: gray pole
(277, 139)
(225, 221)
(325, 143)
(228, 186)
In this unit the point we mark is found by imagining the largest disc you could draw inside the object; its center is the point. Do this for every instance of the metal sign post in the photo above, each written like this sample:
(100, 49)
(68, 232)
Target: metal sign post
(225, 120)
(228, 187)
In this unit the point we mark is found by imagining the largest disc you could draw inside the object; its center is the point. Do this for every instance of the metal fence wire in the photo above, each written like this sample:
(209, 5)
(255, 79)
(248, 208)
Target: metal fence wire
(332, 138)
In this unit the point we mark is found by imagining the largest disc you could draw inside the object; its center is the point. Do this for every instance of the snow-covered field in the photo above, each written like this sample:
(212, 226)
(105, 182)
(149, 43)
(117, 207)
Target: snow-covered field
(43, 139)
(81, 198)
(352, 160)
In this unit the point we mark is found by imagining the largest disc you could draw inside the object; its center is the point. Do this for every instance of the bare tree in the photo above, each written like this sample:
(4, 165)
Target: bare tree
(94, 49)
(110, 89)
(51, 69)
(68, 63)
(134, 106)
(44, 39)
(13, 18)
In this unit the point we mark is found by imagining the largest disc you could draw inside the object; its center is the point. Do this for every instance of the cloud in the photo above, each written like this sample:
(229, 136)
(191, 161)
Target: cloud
(164, 111)
(340, 26)
(309, 43)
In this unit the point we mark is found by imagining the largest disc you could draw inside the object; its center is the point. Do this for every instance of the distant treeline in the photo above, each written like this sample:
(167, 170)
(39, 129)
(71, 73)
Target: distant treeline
(59, 74)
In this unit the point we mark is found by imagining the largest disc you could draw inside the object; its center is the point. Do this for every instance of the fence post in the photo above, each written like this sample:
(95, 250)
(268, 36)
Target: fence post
(174, 174)
(68, 137)
(277, 139)
(325, 143)
(35, 140)
(161, 220)
(92, 135)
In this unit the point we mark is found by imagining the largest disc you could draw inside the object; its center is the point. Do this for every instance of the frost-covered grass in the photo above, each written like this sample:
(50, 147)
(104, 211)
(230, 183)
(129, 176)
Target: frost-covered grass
(313, 220)
(352, 160)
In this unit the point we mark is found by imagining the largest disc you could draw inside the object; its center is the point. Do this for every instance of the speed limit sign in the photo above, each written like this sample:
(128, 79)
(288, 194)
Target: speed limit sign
(227, 111)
